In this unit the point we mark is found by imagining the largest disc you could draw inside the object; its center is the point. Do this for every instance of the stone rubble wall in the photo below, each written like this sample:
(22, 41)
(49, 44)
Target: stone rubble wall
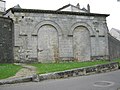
(6, 40)
(78, 72)
(114, 47)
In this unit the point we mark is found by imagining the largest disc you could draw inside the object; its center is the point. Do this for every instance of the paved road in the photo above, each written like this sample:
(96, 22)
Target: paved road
(106, 81)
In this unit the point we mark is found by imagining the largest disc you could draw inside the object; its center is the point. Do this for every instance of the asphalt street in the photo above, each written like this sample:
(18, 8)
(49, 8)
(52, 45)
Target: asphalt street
(104, 81)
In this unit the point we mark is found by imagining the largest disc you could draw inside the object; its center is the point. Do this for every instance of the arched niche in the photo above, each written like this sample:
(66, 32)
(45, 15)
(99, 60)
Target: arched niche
(81, 43)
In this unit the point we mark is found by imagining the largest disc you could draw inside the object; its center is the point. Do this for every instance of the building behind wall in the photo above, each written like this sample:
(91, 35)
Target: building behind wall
(115, 33)
(51, 36)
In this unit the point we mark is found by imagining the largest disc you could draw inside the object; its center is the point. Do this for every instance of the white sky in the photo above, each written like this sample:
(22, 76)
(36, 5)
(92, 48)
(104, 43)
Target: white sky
(111, 7)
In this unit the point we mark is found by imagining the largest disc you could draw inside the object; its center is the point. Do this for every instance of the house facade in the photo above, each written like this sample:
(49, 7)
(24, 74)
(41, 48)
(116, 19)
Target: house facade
(115, 33)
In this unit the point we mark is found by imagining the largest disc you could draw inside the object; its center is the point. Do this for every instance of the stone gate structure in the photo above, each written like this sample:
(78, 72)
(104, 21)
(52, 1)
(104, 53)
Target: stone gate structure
(69, 33)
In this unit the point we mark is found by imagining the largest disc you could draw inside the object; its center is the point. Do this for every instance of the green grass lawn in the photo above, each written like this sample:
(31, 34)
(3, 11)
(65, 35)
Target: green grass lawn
(53, 67)
(7, 70)
(116, 60)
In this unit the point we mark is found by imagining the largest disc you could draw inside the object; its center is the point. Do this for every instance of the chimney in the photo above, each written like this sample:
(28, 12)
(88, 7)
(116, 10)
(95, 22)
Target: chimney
(88, 8)
(2, 7)
(78, 6)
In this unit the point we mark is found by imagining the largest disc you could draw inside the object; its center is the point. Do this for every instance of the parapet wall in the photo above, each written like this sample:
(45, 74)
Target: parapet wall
(114, 47)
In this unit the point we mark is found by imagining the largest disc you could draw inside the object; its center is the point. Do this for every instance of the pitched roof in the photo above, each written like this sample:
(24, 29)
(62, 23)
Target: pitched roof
(2, 0)
(17, 6)
(63, 7)
(6, 18)
(118, 31)
(13, 10)
(68, 5)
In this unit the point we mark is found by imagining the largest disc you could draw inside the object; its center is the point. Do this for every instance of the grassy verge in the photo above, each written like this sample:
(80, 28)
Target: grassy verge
(116, 60)
(53, 67)
(8, 70)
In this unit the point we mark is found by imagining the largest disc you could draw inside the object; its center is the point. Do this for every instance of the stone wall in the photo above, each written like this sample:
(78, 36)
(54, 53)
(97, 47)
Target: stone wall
(50, 37)
(6, 40)
(114, 47)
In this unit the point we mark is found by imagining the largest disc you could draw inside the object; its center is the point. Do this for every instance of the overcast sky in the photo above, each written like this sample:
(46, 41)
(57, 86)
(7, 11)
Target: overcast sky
(111, 7)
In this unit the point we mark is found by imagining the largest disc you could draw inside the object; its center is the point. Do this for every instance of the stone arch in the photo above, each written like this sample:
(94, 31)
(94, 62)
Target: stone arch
(81, 24)
(47, 44)
(81, 42)
(47, 22)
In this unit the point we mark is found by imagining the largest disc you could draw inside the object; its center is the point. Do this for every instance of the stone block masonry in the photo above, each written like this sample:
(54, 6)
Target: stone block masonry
(48, 36)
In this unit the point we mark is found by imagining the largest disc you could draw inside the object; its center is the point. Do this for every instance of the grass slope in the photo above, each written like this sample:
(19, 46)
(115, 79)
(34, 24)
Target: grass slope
(53, 67)
(8, 70)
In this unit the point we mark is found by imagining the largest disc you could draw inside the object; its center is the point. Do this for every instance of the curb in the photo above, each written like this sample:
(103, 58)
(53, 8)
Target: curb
(103, 68)
(65, 74)
(16, 80)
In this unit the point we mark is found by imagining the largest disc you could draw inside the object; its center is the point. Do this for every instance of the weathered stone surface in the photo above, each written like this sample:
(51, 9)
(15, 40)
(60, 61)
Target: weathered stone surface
(6, 40)
(50, 37)
(114, 48)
